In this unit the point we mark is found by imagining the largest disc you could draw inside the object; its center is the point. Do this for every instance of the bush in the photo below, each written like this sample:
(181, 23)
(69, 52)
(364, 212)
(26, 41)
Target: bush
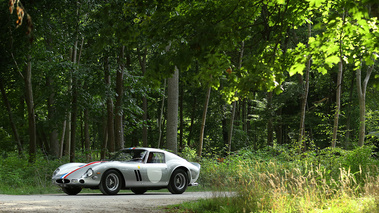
(17, 176)
(277, 180)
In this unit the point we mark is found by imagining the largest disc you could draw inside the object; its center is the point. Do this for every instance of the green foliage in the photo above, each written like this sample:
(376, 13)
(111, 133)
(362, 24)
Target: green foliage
(189, 154)
(277, 179)
(5, 140)
(17, 176)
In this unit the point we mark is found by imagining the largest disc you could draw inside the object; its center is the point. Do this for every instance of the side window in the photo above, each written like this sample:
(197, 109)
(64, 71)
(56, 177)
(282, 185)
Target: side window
(156, 157)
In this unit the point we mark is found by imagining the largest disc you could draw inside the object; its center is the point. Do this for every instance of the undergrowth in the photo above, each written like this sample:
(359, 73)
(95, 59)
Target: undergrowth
(17, 176)
(281, 180)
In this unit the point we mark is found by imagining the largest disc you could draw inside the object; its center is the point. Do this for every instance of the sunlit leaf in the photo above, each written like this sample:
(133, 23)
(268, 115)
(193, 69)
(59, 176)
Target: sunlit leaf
(297, 68)
(316, 3)
(332, 60)
(322, 70)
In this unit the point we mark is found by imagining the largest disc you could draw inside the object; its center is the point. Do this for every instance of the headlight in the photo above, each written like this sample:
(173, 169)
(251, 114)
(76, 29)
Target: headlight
(56, 172)
(88, 173)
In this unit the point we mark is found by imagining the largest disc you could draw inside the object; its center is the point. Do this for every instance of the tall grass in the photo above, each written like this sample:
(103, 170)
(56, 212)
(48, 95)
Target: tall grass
(278, 181)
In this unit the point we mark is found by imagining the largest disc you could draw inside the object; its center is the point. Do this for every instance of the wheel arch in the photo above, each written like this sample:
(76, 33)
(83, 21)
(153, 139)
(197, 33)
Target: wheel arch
(119, 172)
(188, 172)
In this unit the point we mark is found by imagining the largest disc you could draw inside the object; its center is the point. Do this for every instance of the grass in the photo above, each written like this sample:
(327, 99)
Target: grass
(344, 182)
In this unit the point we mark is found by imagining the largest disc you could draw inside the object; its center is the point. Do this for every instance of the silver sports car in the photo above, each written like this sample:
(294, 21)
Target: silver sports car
(137, 169)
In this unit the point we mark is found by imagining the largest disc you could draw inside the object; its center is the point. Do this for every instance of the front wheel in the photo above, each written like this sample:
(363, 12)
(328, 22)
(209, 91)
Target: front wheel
(110, 183)
(178, 182)
(71, 190)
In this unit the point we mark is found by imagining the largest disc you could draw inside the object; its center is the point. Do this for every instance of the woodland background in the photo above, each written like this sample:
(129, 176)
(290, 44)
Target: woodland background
(92, 77)
(277, 99)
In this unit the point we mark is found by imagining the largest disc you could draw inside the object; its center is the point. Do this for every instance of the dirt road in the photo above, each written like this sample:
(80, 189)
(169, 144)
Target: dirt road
(96, 202)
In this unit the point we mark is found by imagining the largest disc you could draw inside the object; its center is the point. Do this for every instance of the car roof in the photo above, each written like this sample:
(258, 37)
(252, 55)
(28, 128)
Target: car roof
(172, 155)
(147, 149)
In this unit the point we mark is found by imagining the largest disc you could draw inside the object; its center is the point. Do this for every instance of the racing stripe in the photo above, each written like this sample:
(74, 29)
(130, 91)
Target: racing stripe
(81, 167)
(63, 175)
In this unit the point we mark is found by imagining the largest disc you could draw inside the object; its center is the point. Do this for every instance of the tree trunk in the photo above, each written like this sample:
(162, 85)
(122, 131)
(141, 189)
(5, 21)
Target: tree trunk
(338, 103)
(225, 133)
(230, 136)
(73, 121)
(244, 115)
(87, 142)
(172, 111)
(54, 144)
(74, 109)
(181, 118)
(104, 145)
(110, 120)
(67, 137)
(30, 107)
(67, 144)
(119, 112)
(348, 116)
(270, 129)
(304, 98)
(142, 61)
(61, 149)
(193, 112)
(11, 121)
(339, 88)
(203, 120)
(161, 115)
(279, 126)
(362, 103)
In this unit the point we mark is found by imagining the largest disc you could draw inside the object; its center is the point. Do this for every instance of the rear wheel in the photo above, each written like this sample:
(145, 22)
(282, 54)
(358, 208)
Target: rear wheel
(178, 182)
(71, 190)
(110, 183)
(139, 191)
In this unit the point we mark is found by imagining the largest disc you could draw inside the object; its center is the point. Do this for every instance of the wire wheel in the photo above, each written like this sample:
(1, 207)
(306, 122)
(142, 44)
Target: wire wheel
(111, 183)
(179, 182)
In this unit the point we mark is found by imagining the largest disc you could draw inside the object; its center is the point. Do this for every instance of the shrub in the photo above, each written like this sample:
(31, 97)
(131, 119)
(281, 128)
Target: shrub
(278, 180)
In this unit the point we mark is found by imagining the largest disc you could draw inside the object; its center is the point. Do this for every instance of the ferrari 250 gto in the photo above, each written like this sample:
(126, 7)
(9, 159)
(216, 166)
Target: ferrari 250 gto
(137, 169)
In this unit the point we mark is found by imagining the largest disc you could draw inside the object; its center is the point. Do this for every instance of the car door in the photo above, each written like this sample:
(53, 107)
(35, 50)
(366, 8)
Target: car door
(132, 168)
(154, 172)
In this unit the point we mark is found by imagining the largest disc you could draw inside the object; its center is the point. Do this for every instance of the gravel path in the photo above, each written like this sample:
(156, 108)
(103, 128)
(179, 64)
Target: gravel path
(123, 202)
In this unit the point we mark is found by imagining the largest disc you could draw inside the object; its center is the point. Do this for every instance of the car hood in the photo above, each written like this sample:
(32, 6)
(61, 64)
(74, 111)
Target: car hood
(70, 168)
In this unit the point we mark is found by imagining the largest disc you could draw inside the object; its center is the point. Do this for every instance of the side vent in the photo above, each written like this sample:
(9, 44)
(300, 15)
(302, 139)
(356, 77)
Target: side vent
(138, 175)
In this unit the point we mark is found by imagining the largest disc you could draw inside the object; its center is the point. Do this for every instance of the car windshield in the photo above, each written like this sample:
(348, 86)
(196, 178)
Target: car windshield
(130, 155)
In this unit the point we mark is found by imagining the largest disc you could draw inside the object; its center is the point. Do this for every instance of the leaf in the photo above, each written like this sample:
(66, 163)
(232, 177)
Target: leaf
(316, 3)
(322, 70)
(332, 60)
(311, 39)
(297, 68)
(357, 63)
(369, 61)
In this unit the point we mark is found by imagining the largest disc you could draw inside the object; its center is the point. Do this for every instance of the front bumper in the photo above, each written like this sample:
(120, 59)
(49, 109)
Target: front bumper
(82, 182)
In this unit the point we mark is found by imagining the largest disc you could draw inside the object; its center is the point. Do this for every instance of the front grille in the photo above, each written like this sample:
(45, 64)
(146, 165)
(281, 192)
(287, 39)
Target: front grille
(63, 181)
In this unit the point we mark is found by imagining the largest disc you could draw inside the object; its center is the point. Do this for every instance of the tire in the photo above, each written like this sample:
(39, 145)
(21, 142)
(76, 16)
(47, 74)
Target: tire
(178, 182)
(71, 190)
(110, 183)
(139, 191)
